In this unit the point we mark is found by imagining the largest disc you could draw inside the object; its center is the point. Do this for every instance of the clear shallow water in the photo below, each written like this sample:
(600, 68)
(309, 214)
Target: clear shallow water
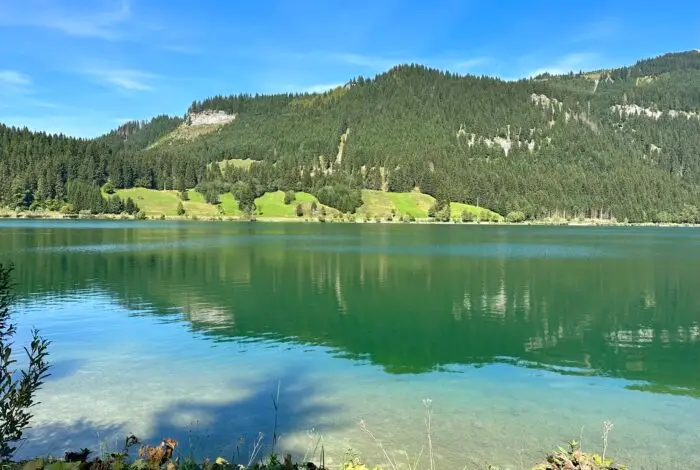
(521, 336)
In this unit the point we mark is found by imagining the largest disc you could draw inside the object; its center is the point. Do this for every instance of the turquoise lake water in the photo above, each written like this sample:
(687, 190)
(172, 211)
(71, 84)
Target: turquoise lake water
(523, 337)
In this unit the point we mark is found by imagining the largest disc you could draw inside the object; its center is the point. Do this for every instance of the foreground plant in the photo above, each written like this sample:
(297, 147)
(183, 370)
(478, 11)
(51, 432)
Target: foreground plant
(575, 458)
(17, 390)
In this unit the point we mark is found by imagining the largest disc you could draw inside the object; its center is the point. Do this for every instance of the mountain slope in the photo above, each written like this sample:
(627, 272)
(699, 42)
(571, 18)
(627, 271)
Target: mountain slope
(621, 143)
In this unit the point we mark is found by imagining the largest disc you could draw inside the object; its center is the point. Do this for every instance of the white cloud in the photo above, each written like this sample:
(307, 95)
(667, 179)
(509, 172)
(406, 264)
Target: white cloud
(14, 79)
(462, 66)
(101, 24)
(382, 63)
(123, 79)
(320, 88)
(568, 63)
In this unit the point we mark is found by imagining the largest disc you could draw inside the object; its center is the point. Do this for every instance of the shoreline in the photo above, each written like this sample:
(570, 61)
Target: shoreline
(47, 215)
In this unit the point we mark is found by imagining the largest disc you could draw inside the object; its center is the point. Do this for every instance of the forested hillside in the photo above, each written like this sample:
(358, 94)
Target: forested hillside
(622, 143)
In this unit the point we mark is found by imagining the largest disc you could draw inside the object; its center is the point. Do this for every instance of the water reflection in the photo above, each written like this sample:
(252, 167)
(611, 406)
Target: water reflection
(609, 302)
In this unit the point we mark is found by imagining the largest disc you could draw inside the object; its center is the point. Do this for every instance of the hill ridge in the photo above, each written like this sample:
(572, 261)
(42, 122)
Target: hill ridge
(611, 142)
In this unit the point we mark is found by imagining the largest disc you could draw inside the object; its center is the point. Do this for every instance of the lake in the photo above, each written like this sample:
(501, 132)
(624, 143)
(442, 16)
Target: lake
(523, 337)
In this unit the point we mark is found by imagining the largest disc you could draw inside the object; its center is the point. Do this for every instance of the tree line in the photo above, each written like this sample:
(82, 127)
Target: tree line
(477, 140)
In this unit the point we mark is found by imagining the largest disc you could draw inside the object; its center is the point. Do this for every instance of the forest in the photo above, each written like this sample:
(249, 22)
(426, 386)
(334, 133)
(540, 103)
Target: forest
(621, 143)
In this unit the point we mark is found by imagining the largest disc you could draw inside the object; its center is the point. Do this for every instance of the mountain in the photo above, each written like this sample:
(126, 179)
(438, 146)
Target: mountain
(621, 143)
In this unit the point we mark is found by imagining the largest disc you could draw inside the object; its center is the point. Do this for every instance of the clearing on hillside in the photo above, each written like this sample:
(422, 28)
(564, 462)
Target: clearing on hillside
(479, 213)
(154, 202)
(239, 162)
(272, 205)
(381, 204)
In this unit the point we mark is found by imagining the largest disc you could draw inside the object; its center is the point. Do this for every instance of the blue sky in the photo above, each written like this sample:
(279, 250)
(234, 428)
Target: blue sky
(82, 67)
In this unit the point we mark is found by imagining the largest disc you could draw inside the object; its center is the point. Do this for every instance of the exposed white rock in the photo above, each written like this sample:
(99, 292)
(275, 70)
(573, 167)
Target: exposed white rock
(505, 144)
(210, 117)
(461, 132)
(341, 146)
(546, 102)
(582, 117)
(643, 80)
(636, 110)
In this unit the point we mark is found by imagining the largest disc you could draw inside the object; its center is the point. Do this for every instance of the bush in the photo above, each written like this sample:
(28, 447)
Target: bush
(289, 196)
(515, 217)
(108, 187)
(114, 205)
(184, 195)
(467, 216)
(340, 197)
(440, 211)
(245, 194)
(17, 391)
(180, 208)
(300, 211)
(130, 206)
(68, 209)
(141, 215)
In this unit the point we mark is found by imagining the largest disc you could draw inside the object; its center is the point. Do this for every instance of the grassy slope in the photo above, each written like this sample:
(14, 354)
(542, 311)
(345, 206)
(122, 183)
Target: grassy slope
(376, 203)
(457, 208)
(239, 162)
(272, 204)
(155, 203)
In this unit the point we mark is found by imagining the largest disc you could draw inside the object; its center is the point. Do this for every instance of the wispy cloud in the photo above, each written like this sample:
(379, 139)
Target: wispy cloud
(380, 63)
(365, 61)
(568, 63)
(462, 65)
(103, 24)
(14, 78)
(320, 88)
(296, 88)
(123, 79)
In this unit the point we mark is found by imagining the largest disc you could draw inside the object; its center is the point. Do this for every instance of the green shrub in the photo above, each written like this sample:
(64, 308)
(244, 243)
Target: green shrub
(108, 187)
(17, 391)
(440, 211)
(515, 217)
(289, 196)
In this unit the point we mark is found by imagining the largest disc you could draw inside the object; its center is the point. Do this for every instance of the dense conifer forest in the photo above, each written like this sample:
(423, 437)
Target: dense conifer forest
(622, 143)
